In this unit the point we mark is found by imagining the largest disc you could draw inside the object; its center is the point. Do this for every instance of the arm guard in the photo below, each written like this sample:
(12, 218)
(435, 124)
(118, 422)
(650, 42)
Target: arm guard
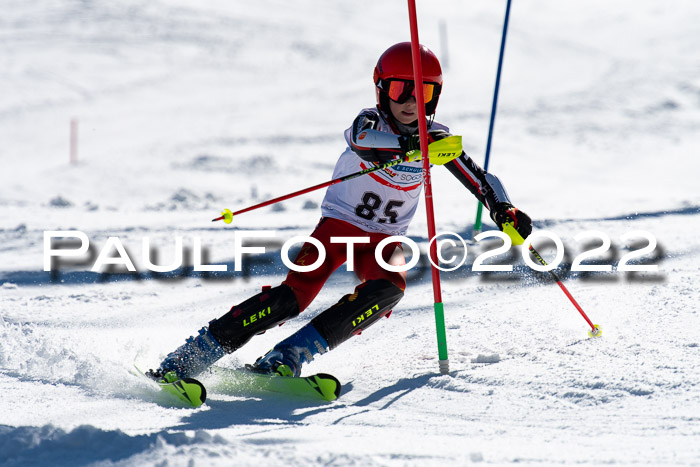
(369, 143)
(485, 186)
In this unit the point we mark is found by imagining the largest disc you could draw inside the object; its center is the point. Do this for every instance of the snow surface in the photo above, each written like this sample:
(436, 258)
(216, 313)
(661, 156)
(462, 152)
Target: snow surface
(187, 109)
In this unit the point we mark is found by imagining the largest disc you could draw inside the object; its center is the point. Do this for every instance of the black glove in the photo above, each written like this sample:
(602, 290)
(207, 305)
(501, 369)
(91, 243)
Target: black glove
(506, 212)
(409, 143)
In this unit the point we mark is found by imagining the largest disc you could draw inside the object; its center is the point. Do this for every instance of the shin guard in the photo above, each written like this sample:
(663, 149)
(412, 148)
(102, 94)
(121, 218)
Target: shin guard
(356, 312)
(254, 316)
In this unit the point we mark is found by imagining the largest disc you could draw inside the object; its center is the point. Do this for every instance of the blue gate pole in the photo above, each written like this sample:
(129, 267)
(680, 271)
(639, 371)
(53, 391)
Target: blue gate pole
(479, 209)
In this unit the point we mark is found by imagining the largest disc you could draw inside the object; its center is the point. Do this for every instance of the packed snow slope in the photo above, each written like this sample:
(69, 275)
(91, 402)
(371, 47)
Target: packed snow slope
(185, 109)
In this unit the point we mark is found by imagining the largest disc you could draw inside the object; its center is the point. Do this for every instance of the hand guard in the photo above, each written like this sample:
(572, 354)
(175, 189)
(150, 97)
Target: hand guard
(409, 143)
(412, 142)
(506, 212)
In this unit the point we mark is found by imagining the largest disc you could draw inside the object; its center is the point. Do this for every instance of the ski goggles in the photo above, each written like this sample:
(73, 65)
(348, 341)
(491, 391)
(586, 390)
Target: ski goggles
(400, 90)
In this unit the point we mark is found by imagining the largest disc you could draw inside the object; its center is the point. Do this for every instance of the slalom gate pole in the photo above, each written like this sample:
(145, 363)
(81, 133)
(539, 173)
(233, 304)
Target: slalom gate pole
(423, 132)
(480, 207)
(447, 149)
(517, 239)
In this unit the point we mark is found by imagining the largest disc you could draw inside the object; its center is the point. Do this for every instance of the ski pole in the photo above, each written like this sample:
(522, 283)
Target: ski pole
(517, 239)
(443, 151)
(480, 207)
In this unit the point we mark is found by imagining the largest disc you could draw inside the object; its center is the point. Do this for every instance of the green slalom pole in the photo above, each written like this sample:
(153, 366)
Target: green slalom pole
(441, 337)
(480, 208)
(477, 223)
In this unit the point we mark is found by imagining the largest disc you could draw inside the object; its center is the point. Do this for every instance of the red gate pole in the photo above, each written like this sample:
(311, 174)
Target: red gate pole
(423, 132)
(73, 141)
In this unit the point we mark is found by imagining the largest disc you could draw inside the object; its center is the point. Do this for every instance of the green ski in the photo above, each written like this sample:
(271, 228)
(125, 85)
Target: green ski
(240, 381)
(187, 390)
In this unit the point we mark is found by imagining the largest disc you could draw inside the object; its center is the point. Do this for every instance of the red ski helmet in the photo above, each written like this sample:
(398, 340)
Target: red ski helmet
(393, 76)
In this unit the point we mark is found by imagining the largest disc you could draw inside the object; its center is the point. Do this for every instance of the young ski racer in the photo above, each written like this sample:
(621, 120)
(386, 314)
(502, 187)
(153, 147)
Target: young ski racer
(374, 206)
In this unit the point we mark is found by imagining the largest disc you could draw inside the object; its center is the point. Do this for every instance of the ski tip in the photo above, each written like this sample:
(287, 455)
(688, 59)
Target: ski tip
(328, 386)
(140, 372)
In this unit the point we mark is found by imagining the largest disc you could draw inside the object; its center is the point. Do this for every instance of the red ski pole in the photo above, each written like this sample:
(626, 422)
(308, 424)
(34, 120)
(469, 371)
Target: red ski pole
(445, 150)
(518, 240)
(423, 132)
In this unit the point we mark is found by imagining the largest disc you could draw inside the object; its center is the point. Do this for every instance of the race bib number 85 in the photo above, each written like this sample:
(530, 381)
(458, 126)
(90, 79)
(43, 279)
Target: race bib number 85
(372, 202)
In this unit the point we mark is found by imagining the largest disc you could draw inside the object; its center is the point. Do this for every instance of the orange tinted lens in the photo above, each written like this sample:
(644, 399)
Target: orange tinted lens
(428, 91)
(400, 91)
(396, 89)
